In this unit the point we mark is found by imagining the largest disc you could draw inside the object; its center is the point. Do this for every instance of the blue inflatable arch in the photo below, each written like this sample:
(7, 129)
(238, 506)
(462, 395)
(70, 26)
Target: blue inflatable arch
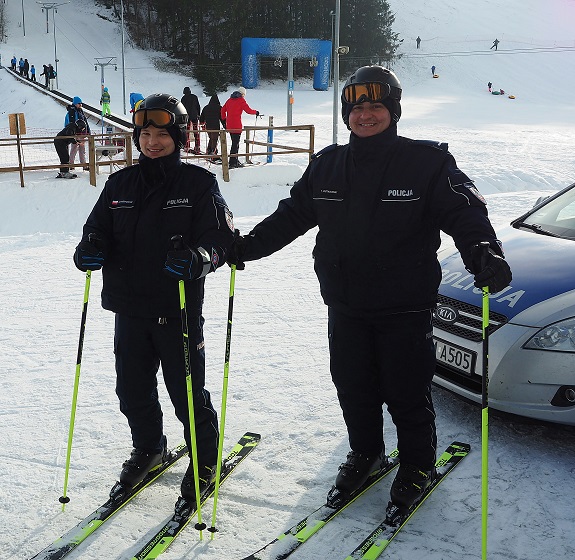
(294, 48)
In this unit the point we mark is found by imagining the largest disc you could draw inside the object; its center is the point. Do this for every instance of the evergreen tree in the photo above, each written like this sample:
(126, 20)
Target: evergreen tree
(207, 36)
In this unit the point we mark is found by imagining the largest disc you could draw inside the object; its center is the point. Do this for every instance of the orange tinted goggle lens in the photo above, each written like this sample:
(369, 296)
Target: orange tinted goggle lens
(159, 118)
(373, 91)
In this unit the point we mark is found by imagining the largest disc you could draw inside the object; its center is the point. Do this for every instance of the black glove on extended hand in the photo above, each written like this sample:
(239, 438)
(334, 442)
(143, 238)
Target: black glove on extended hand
(183, 264)
(493, 270)
(236, 252)
(89, 255)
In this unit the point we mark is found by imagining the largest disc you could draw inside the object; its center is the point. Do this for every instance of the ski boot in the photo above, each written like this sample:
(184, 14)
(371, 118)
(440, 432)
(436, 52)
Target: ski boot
(140, 463)
(409, 486)
(206, 476)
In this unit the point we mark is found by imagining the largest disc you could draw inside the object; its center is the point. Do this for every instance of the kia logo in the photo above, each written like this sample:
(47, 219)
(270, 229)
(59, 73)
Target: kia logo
(446, 314)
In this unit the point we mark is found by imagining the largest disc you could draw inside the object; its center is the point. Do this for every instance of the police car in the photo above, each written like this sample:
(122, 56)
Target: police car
(531, 323)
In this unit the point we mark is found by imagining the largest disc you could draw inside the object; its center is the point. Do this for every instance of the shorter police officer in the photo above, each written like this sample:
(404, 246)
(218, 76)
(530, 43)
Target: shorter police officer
(380, 203)
(130, 234)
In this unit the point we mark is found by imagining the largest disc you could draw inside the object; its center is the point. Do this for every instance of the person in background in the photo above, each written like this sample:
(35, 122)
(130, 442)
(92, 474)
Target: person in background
(489, 86)
(32, 73)
(231, 113)
(61, 144)
(26, 73)
(46, 74)
(135, 100)
(495, 43)
(433, 70)
(192, 106)
(130, 235)
(418, 41)
(51, 77)
(211, 116)
(21, 66)
(381, 203)
(74, 113)
(105, 102)
(13, 63)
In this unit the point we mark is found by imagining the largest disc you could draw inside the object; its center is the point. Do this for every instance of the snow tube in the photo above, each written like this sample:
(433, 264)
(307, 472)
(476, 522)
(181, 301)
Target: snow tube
(436, 75)
(511, 97)
(495, 93)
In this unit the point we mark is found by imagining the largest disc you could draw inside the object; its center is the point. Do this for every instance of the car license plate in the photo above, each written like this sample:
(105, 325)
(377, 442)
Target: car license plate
(454, 356)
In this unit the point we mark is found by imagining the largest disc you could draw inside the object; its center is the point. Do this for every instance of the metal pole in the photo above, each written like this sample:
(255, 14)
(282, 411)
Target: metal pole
(23, 19)
(290, 90)
(54, 10)
(336, 72)
(123, 60)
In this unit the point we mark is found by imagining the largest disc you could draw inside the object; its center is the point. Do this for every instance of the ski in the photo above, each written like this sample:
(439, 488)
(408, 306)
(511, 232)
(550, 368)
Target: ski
(282, 546)
(382, 535)
(184, 511)
(119, 497)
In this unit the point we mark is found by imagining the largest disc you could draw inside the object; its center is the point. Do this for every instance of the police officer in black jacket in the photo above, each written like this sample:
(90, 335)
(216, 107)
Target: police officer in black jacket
(129, 233)
(380, 203)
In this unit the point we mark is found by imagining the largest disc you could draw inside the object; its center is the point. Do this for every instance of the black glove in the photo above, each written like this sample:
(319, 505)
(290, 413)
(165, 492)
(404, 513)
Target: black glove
(492, 269)
(89, 254)
(183, 264)
(236, 252)
(257, 113)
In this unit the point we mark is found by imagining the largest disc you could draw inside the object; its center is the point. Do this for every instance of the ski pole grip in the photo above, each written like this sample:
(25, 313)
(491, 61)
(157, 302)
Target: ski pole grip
(178, 242)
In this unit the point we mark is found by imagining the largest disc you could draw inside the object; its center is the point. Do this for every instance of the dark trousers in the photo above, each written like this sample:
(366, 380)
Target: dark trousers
(213, 142)
(389, 360)
(195, 127)
(62, 151)
(235, 148)
(140, 346)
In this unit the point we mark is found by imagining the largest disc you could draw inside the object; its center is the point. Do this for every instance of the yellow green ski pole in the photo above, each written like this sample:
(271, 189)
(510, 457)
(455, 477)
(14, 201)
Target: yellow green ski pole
(484, 410)
(213, 529)
(64, 499)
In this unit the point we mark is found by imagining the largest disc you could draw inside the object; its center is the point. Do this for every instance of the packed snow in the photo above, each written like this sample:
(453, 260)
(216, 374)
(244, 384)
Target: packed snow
(279, 382)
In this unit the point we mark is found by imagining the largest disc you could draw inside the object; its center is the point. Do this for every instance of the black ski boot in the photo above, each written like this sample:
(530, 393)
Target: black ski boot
(206, 476)
(356, 470)
(140, 463)
(409, 485)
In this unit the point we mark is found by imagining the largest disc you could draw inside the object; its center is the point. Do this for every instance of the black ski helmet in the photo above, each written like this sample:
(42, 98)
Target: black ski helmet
(375, 74)
(178, 130)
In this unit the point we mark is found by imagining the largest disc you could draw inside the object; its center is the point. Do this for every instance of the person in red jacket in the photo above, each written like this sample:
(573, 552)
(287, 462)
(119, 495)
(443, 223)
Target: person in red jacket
(232, 115)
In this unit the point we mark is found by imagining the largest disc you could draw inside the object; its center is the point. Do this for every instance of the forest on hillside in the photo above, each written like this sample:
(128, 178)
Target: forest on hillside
(203, 38)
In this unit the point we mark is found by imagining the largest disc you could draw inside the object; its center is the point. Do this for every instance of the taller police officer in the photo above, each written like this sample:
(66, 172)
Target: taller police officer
(380, 203)
(129, 233)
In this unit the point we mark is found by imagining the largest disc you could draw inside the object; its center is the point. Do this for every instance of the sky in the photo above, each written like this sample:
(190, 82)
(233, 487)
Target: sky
(279, 382)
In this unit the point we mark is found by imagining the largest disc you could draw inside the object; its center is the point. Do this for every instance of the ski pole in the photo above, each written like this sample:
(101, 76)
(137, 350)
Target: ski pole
(64, 499)
(484, 408)
(179, 245)
(213, 529)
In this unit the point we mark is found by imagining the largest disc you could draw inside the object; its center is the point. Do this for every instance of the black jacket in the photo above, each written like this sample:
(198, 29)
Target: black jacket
(211, 114)
(68, 130)
(140, 209)
(192, 106)
(380, 204)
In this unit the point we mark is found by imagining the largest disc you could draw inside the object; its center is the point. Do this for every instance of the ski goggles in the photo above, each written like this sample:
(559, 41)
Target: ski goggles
(160, 118)
(368, 91)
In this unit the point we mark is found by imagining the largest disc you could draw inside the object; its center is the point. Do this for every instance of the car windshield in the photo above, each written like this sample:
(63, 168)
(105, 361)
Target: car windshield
(556, 217)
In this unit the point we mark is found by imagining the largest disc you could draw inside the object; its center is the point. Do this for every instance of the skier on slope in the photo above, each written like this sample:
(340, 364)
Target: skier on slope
(140, 210)
(381, 202)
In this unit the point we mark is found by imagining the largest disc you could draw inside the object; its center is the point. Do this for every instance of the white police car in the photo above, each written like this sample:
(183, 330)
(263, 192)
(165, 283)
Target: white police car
(532, 321)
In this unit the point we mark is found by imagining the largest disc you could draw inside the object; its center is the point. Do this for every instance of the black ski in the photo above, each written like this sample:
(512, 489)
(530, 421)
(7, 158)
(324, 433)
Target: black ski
(381, 536)
(184, 511)
(282, 546)
(119, 497)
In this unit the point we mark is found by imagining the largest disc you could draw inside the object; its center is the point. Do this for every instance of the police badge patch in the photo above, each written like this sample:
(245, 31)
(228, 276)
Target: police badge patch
(473, 189)
(229, 218)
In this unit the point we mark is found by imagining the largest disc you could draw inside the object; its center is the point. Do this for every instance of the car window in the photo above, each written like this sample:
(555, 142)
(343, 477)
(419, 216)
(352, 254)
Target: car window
(557, 216)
